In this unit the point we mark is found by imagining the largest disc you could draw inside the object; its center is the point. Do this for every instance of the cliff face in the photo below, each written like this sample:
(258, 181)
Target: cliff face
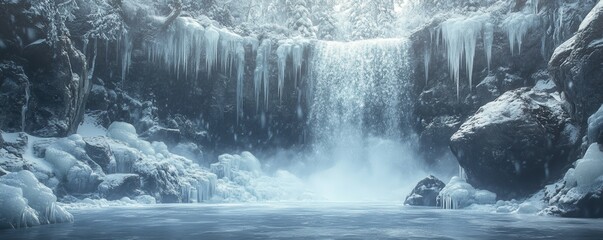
(181, 78)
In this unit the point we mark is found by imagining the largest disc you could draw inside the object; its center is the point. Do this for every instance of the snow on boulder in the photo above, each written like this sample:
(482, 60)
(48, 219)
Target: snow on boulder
(595, 127)
(99, 151)
(126, 133)
(26, 202)
(117, 186)
(72, 166)
(460, 194)
(515, 144)
(580, 192)
(426, 192)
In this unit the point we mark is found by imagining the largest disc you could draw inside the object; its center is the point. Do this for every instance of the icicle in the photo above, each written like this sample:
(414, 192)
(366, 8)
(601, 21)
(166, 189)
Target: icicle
(460, 36)
(282, 52)
(25, 106)
(517, 25)
(240, 53)
(297, 53)
(93, 65)
(266, 75)
(211, 48)
(261, 73)
(426, 60)
(488, 42)
(126, 56)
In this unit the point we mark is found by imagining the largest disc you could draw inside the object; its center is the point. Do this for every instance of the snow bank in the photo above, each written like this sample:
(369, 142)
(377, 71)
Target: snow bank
(26, 202)
(588, 170)
(460, 194)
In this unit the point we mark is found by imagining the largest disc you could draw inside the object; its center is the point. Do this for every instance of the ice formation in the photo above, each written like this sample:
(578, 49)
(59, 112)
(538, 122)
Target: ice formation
(24, 202)
(261, 77)
(141, 157)
(460, 194)
(290, 49)
(595, 126)
(588, 170)
(518, 24)
(460, 37)
(25, 106)
(240, 178)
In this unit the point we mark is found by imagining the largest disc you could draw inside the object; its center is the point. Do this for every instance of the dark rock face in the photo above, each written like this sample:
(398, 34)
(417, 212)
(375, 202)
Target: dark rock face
(117, 186)
(43, 65)
(576, 66)
(14, 85)
(517, 143)
(99, 151)
(426, 192)
(58, 90)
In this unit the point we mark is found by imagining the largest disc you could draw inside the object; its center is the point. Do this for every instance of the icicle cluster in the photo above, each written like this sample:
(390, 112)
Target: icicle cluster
(189, 48)
(460, 36)
(261, 76)
(517, 26)
(290, 50)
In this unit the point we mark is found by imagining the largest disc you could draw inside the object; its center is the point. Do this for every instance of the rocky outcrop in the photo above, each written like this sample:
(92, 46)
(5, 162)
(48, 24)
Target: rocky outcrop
(43, 76)
(576, 66)
(580, 192)
(426, 192)
(99, 151)
(516, 144)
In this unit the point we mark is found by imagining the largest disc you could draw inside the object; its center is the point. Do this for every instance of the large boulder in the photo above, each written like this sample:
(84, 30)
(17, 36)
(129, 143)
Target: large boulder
(576, 66)
(516, 144)
(426, 192)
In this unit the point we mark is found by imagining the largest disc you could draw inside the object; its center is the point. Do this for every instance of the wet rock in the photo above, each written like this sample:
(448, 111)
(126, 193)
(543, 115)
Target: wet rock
(426, 192)
(99, 151)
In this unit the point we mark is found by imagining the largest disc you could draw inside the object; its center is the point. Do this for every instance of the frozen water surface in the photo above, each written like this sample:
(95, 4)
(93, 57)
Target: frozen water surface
(308, 220)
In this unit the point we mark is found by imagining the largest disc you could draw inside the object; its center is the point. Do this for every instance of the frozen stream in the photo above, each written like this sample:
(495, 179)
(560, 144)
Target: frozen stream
(306, 221)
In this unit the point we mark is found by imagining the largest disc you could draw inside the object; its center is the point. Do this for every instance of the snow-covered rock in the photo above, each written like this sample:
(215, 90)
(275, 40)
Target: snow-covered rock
(426, 192)
(117, 186)
(515, 144)
(97, 148)
(580, 192)
(24, 202)
(460, 194)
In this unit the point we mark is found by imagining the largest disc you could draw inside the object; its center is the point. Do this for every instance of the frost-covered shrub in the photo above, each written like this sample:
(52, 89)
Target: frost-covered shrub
(459, 194)
(26, 202)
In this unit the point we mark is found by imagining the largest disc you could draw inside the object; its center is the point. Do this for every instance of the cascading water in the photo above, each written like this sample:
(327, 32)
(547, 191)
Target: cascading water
(360, 117)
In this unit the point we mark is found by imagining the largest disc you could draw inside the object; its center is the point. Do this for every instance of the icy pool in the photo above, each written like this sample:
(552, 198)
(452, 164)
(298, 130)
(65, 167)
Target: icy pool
(306, 221)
